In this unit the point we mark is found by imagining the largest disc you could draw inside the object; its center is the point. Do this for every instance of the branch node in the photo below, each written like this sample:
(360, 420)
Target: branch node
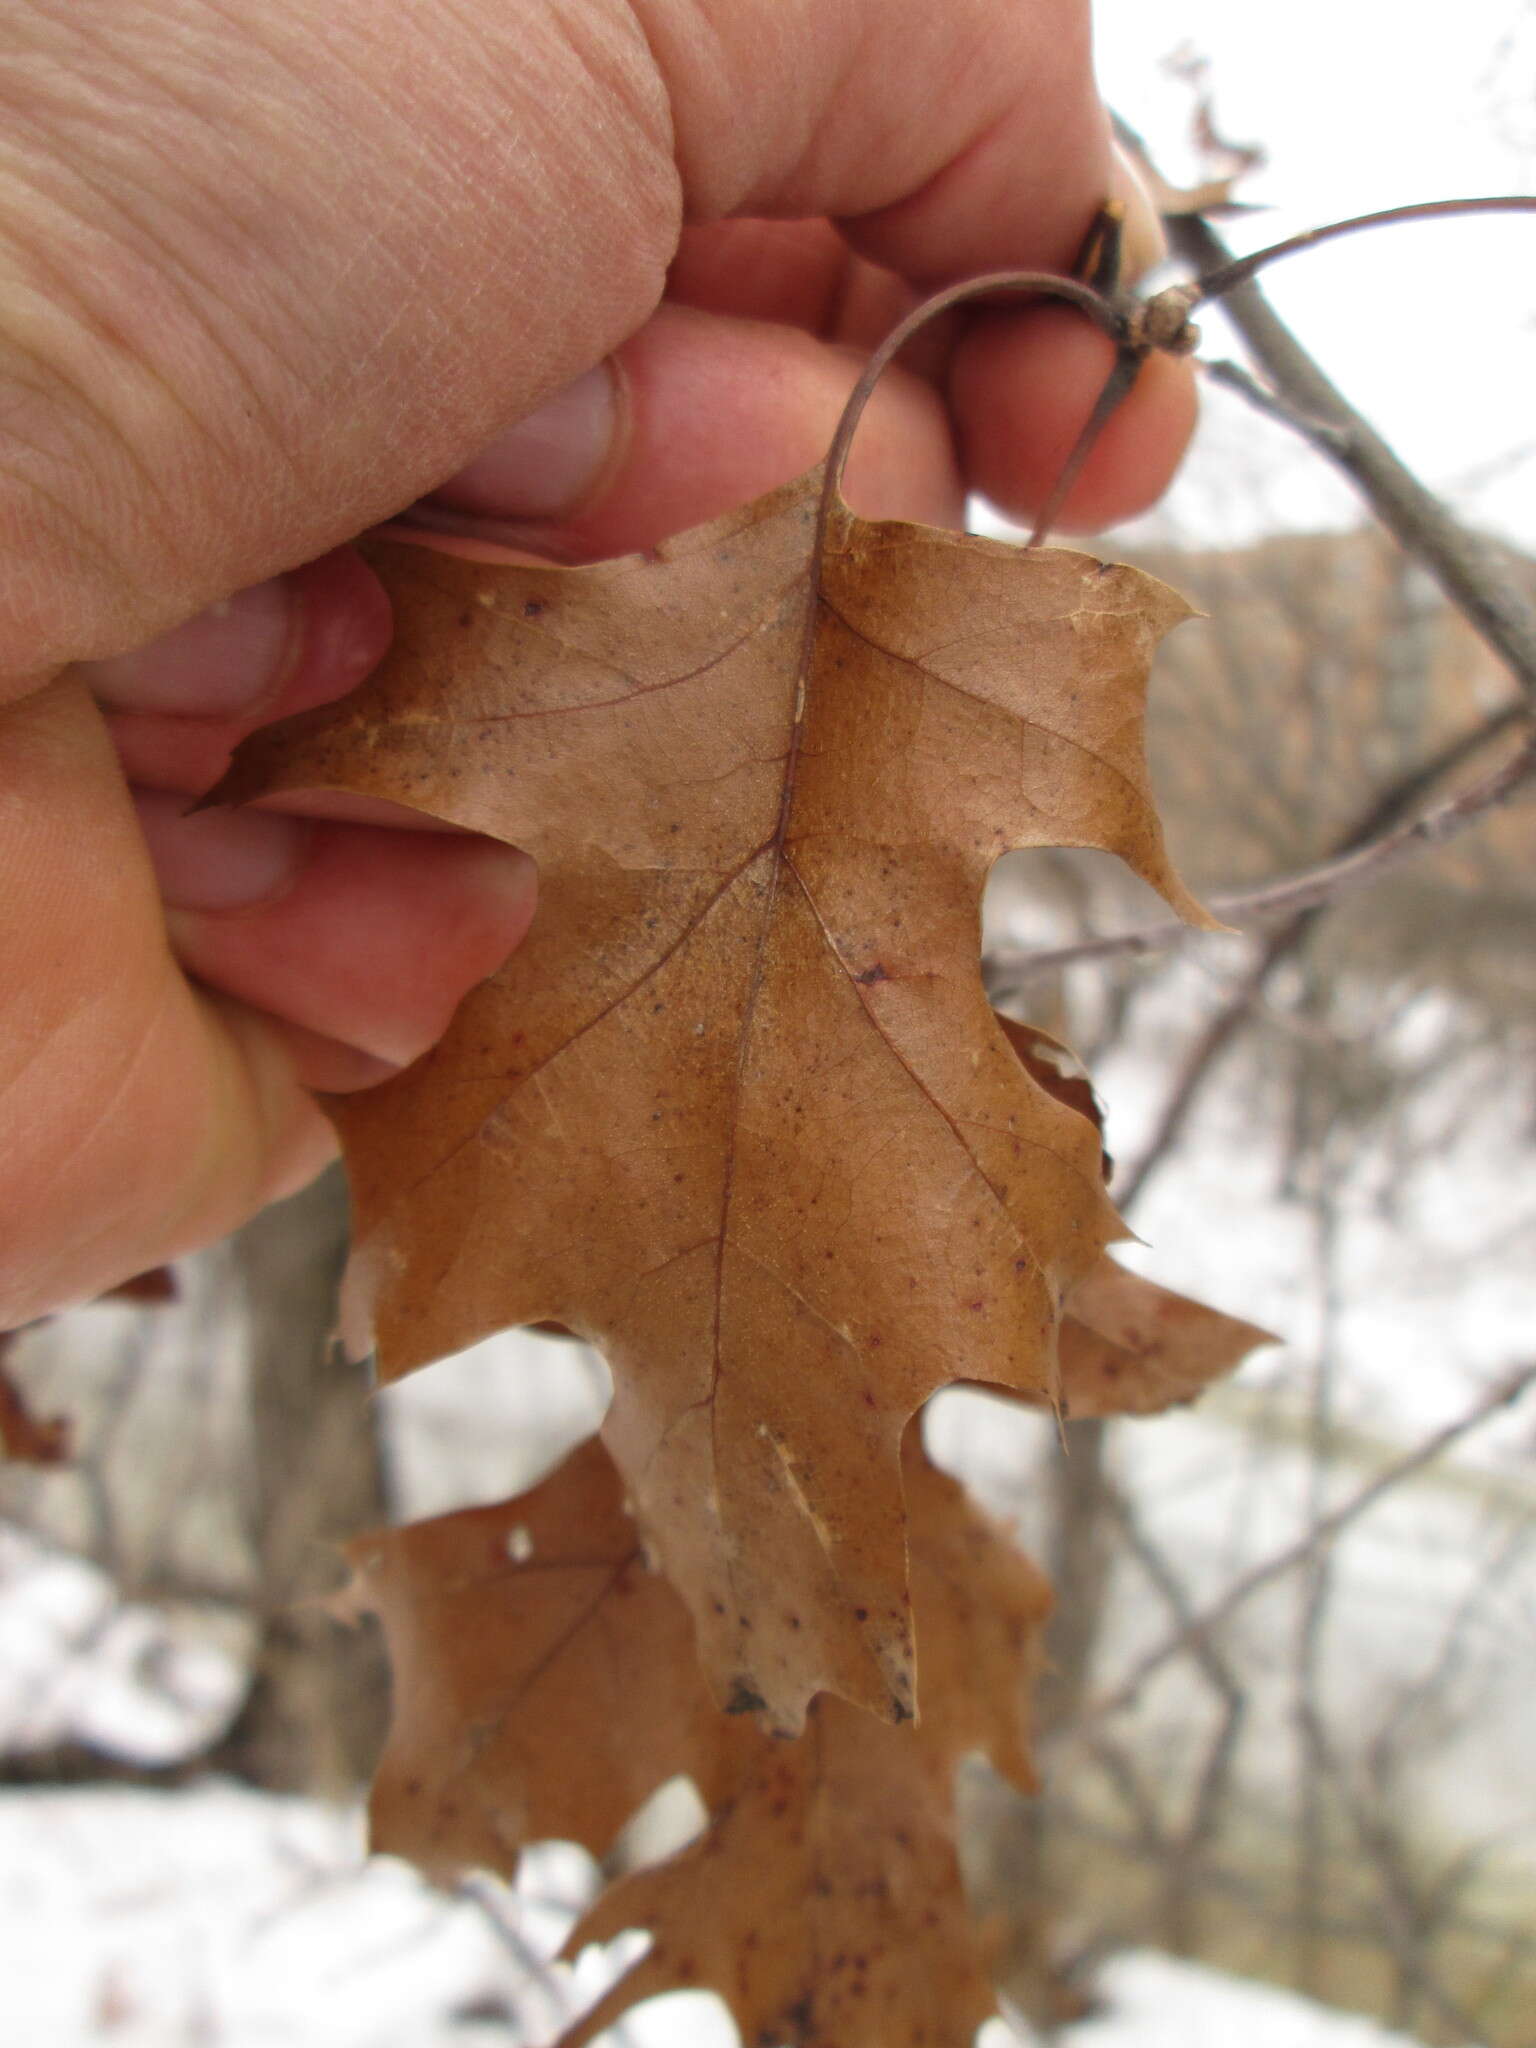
(1163, 322)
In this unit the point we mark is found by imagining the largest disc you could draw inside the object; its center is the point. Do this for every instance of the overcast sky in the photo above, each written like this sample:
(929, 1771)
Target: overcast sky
(1430, 328)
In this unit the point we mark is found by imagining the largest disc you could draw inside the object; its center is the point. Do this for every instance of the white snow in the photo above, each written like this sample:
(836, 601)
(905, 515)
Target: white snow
(216, 1917)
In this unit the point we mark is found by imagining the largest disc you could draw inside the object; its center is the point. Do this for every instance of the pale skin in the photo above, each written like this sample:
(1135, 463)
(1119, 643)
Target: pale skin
(597, 268)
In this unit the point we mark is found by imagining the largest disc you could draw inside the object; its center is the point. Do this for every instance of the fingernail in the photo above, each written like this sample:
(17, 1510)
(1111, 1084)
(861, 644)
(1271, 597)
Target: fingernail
(550, 461)
(506, 875)
(223, 662)
(220, 860)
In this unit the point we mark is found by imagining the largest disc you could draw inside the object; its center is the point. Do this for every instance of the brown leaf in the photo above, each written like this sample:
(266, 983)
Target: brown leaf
(544, 1680)
(1129, 1347)
(738, 1111)
(24, 1437)
(1059, 1072)
(156, 1285)
(824, 1901)
(824, 1904)
(1225, 164)
(545, 1685)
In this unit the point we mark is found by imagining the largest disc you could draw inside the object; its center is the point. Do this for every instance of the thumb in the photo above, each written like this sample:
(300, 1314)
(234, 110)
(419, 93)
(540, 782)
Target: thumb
(266, 277)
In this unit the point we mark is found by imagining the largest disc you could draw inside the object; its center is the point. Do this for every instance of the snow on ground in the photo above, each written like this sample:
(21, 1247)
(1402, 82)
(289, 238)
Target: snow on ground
(1155, 2001)
(217, 1917)
(82, 1665)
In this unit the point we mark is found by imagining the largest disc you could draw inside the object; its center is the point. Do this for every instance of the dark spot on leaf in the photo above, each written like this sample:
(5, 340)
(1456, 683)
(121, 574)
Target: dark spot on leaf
(797, 2018)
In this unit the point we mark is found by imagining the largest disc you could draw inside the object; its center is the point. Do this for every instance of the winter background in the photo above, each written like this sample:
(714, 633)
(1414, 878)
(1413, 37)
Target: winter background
(207, 1913)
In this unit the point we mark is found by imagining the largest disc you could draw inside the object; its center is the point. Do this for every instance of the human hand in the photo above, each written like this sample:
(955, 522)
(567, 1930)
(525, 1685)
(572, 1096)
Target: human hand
(266, 282)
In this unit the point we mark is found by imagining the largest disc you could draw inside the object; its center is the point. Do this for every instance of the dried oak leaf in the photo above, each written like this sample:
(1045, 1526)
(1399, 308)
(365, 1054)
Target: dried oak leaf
(545, 1683)
(1059, 1072)
(824, 1900)
(1127, 1346)
(1130, 1347)
(737, 1111)
(544, 1680)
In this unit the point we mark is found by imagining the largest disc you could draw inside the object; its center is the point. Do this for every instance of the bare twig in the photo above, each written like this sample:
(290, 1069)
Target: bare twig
(1320, 433)
(1504, 1394)
(1201, 1060)
(1192, 1845)
(1468, 568)
(1306, 890)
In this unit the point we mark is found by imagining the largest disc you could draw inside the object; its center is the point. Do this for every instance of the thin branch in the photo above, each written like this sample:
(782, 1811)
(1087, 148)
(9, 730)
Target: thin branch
(1504, 1394)
(1233, 272)
(1127, 367)
(1201, 1060)
(1467, 567)
(1312, 886)
(1319, 433)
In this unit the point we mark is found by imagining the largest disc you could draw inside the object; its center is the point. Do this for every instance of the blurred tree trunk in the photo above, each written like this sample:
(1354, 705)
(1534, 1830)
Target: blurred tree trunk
(1080, 1561)
(315, 1716)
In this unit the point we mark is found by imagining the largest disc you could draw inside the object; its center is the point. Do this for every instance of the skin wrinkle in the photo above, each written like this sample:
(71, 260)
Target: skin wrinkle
(79, 541)
(111, 196)
(53, 1163)
(82, 388)
(696, 36)
(55, 373)
(89, 541)
(621, 151)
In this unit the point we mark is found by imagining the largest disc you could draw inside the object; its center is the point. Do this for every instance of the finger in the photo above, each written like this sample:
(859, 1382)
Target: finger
(137, 1118)
(178, 706)
(460, 212)
(1021, 389)
(360, 944)
(796, 273)
(948, 141)
(142, 1114)
(713, 411)
(802, 273)
(363, 937)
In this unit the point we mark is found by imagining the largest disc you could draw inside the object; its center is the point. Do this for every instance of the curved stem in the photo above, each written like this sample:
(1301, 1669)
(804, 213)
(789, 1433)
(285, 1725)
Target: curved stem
(1121, 316)
(1217, 282)
(996, 284)
(1123, 374)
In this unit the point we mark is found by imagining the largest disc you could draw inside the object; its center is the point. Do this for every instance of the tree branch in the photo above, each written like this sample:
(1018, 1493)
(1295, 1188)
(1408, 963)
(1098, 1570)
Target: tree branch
(1467, 567)
(1355, 868)
(1503, 1394)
